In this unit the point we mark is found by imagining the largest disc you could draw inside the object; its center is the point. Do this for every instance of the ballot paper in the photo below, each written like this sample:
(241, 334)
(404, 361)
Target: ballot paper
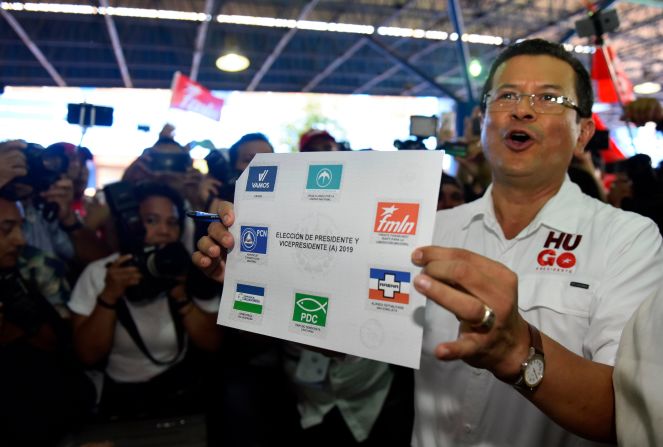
(323, 245)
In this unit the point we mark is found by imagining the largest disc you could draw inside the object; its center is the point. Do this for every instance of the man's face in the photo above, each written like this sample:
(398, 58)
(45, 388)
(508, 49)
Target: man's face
(159, 216)
(527, 148)
(248, 150)
(11, 236)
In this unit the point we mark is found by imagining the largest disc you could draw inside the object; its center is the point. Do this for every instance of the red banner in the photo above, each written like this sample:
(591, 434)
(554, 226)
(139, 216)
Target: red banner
(191, 96)
(605, 88)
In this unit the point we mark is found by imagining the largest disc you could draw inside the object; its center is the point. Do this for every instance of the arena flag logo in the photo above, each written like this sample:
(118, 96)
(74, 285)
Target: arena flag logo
(556, 254)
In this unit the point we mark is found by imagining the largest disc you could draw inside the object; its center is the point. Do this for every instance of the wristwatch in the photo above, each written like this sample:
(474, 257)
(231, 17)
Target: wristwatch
(533, 368)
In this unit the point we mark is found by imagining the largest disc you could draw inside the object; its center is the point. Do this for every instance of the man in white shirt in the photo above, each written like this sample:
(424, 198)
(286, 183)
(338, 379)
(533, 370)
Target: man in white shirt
(533, 283)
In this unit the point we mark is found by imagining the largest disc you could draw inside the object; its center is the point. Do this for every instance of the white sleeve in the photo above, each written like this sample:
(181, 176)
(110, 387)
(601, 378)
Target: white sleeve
(633, 264)
(89, 286)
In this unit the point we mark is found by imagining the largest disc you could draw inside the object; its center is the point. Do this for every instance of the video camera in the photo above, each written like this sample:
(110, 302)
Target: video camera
(161, 266)
(45, 167)
(421, 128)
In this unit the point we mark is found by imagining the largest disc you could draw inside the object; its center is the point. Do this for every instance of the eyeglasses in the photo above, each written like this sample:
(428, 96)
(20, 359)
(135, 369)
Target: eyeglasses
(540, 102)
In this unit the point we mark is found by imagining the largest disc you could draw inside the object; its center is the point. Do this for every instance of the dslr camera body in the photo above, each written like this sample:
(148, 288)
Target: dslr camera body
(45, 167)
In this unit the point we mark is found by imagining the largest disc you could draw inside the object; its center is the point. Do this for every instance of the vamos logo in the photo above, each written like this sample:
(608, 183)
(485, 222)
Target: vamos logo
(261, 178)
(396, 218)
(310, 309)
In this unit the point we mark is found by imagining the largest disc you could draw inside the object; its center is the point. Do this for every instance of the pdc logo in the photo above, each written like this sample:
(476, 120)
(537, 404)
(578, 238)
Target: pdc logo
(254, 239)
(557, 254)
(396, 218)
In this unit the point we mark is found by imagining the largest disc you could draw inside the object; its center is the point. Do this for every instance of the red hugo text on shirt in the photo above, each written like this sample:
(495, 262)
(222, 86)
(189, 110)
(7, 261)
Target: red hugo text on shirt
(557, 251)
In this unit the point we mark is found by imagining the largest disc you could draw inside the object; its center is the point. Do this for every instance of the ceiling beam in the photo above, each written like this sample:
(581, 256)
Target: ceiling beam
(34, 49)
(117, 47)
(408, 66)
(493, 52)
(396, 68)
(200, 40)
(462, 51)
(257, 77)
(333, 65)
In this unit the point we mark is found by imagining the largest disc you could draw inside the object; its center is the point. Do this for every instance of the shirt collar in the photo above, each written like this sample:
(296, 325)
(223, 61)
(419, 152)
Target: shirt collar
(559, 213)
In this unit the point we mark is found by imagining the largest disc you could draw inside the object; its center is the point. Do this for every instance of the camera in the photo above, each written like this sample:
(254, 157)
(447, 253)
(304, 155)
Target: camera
(160, 266)
(218, 166)
(45, 167)
(169, 161)
(19, 304)
(421, 128)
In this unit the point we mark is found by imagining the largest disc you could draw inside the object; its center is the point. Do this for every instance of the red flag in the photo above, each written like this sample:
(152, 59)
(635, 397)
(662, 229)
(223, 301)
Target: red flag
(189, 95)
(612, 153)
(605, 89)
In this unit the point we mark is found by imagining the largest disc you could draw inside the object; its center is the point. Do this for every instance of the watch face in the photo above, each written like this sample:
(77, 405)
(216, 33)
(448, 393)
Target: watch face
(533, 373)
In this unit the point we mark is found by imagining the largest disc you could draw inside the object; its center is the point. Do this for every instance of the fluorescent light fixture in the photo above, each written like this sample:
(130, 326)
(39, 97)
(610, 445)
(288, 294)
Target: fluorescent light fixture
(647, 88)
(232, 62)
(350, 28)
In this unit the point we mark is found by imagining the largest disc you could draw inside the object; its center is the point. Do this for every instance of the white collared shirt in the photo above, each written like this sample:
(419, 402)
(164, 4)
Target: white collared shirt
(583, 268)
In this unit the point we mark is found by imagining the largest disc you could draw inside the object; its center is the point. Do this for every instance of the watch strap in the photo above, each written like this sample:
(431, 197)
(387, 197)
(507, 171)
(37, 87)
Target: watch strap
(536, 347)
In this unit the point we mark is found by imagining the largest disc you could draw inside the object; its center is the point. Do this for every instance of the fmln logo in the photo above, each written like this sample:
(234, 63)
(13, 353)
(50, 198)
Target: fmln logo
(396, 218)
(261, 178)
(327, 177)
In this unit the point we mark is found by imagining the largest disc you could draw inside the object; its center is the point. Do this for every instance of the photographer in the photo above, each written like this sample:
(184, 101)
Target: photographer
(220, 183)
(169, 163)
(38, 178)
(143, 341)
(43, 391)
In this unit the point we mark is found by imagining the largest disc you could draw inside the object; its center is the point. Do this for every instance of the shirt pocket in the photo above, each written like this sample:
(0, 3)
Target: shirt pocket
(557, 308)
(556, 294)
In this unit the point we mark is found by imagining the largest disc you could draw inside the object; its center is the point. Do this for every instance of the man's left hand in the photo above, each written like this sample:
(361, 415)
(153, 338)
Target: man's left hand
(62, 193)
(465, 283)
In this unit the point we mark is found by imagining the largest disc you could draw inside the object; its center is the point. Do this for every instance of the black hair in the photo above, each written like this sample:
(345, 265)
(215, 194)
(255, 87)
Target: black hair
(145, 190)
(233, 152)
(639, 170)
(540, 47)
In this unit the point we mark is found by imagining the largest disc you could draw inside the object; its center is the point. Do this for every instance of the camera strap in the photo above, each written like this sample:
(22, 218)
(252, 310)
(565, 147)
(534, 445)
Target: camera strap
(126, 320)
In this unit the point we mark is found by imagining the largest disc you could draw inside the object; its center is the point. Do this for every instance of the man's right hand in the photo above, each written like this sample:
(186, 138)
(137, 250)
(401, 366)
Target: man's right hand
(213, 248)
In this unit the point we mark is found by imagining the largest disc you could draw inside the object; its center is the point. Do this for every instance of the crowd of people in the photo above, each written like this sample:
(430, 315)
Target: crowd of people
(108, 309)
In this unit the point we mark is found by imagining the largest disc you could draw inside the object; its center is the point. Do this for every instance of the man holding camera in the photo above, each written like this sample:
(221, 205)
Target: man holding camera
(50, 223)
(531, 285)
(43, 392)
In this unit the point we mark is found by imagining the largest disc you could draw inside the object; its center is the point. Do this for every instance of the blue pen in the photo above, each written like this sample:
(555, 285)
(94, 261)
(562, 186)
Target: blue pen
(200, 216)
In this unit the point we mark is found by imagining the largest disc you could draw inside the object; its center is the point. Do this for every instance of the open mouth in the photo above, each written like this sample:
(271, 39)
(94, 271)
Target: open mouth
(519, 137)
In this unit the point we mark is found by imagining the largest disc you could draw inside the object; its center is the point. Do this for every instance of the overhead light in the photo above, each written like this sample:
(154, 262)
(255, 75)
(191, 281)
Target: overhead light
(232, 62)
(475, 68)
(647, 88)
